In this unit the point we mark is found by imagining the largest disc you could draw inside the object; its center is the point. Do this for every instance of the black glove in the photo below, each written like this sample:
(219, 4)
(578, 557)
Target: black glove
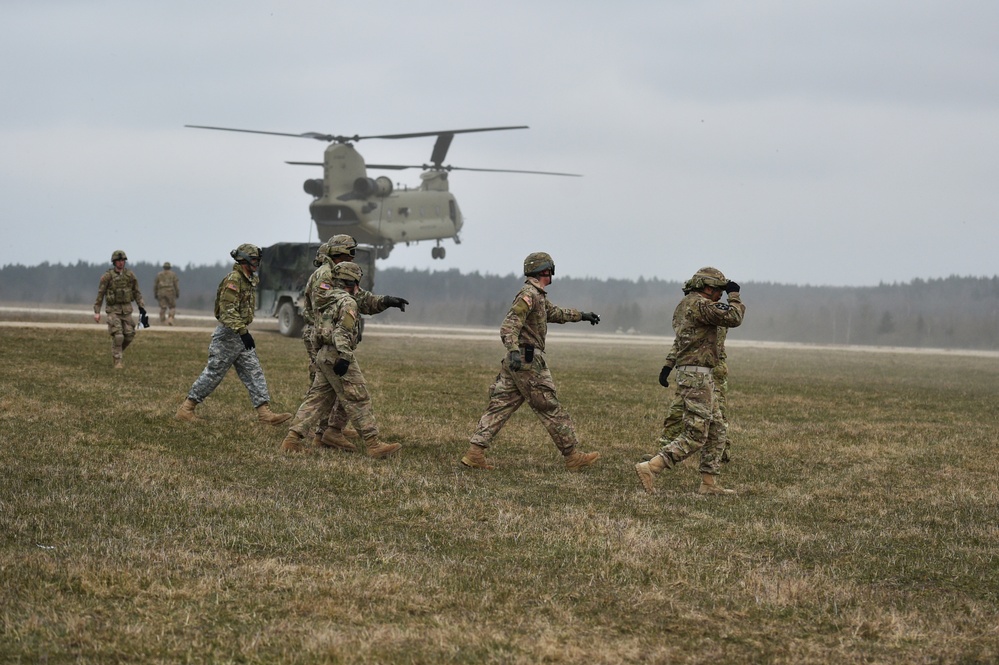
(513, 361)
(664, 376)
(591, 317)
(731, 287)
(142, 312)
(340, 366)
(248, 342)
(144, 319)
(392, 301)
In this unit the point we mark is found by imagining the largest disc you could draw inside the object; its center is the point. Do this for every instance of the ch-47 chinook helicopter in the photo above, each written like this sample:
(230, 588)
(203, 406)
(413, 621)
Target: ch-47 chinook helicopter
(347, 200)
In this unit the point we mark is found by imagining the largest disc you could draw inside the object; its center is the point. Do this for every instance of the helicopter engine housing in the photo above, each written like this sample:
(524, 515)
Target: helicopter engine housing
(314, 187)
(365, 187)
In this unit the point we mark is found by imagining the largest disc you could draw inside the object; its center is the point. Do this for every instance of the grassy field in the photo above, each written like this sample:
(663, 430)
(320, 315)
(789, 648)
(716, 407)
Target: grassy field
(865, 530)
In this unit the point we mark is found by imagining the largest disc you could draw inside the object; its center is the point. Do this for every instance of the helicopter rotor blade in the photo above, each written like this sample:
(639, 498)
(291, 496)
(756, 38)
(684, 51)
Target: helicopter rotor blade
(330, 138)
(307, 135)
(305, 163)
(430, 167)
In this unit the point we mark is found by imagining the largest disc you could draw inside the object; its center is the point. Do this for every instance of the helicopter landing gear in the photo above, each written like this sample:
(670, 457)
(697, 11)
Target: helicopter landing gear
(438, 252)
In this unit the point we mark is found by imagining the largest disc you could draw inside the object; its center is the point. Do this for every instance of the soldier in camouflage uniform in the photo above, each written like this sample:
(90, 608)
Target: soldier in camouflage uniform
(332, 417)
(696, 320)
(338, 373)
(673, 423)
(118, 289)
(524, 374)
(232, 344)
(166, 288)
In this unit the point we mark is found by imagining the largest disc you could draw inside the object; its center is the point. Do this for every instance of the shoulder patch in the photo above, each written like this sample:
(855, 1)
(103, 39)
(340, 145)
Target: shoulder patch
(231, 286)
(722, 306)
(325, 286)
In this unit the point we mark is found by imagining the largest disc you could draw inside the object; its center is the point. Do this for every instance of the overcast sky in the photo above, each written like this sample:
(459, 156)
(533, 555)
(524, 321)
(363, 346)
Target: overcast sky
(845, 142)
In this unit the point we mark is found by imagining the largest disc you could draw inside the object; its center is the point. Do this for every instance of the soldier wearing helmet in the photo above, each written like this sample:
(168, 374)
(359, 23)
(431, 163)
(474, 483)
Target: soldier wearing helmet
(338, 249)
(695, 354)
(118, 289)
(339, 378)
(524, 374)
(166, 288)
(232, 344)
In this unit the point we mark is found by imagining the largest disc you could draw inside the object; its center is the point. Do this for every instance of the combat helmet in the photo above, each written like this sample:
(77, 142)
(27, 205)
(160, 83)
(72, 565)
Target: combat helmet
(348, 272)
(341, 243)
(707, 276)
(247, 253)
(320, 254)
(118, 255)
(538, 262)
(166, 265)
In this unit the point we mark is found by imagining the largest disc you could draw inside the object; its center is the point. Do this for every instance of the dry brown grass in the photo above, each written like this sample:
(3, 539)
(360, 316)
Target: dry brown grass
(865, 529)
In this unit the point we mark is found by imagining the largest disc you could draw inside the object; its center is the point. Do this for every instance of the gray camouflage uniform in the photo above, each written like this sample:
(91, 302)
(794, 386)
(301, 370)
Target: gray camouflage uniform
(235, 302)
(526, 326)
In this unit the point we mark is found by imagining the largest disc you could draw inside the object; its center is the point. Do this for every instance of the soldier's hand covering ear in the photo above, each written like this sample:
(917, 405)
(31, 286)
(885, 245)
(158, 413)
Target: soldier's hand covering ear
(340, 366)
(248, 342)
(664, 376)
(392, 301)
(514, 361)
(591, 317)
(731, 287)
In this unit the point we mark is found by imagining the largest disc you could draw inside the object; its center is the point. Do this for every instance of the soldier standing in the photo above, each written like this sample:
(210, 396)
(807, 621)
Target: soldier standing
(331, 415)
(338, 371)
(232, 344)
(696, 321)
(118, 288)
(524, 374)
(166, 288)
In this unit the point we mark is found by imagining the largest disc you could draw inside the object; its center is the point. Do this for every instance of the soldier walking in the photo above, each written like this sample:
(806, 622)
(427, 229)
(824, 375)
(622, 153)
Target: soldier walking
(331, 415)
(696, 321)
(118, 288)
(232, 344)
(166, 288)
(524, 374)
(338, 371)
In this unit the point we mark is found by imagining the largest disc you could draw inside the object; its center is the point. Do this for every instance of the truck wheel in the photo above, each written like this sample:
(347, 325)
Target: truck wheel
(289, 322)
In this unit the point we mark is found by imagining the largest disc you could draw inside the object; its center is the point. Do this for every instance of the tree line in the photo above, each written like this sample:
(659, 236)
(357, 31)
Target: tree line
(952, 312)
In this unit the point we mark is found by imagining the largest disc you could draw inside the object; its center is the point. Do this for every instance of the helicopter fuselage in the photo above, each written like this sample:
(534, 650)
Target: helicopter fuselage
(374, 211)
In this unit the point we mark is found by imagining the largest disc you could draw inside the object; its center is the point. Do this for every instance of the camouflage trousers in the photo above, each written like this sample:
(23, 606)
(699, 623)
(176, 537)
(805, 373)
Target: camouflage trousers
(224, 351)
(533, 384)
(121, 327)
(342, 399)
(673, 422)
(311, 348)
(702, 423)
(168, 302)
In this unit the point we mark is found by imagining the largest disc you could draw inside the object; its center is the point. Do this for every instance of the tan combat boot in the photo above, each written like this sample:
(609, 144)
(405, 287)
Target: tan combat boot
(334, 439)
(118, 364)
(186, 411)
(576, 460)
(267, 417)
(293, 443)
(647, 472)
(475, 458)
(710, 486)
(378, 450)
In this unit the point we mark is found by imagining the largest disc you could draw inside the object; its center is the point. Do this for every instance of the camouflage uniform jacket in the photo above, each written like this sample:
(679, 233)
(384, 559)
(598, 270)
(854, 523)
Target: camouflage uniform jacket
(526, 324)
(236, 300)
(120, 289)
(167, 284)
(722, 355)
(697, 320)
(339, 324)
(319, 295)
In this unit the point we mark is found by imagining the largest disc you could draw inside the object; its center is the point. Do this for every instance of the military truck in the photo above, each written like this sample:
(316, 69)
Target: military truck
(285, 268)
